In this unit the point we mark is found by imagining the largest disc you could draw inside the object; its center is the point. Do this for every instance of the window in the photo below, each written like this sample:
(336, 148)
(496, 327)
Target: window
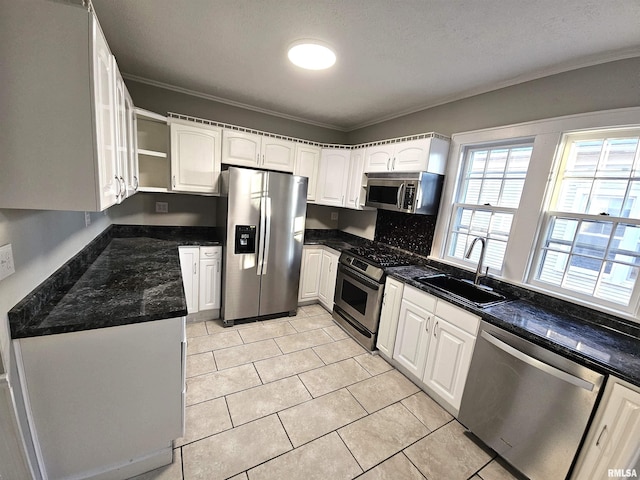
(488, 197)
(590, 246)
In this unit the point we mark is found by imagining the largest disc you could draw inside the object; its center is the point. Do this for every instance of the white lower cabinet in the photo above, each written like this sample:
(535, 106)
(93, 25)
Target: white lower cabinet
(310, 274)
(328, 273)
(389, 315)
(412, 338)
(613, 442)
(201, 277)
(434, 344)
(189, 263)
(107, 402)
(318, 275)
(210, 278)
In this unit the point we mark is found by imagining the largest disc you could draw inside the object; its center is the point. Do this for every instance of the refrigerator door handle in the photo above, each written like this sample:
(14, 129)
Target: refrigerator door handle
(267, 234)
(260, 261)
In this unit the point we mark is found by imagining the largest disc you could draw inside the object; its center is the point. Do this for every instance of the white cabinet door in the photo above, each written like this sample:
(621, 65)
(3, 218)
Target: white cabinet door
(122, 153)
(333, 176)
(389, 316)
(412, 337)
(310, 274)
(378, 158)
(189, 259)
(307, 164)
(210, 277)
(355, 191)
(133, 167)
(448, 360)
(106, 111)
(278, 154)
(241, 148)
(411, 156)
(614, 439)
(195, 157)
(328, 273)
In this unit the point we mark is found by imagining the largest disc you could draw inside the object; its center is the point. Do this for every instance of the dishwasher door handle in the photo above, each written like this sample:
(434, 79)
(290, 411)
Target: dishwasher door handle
(534, 362)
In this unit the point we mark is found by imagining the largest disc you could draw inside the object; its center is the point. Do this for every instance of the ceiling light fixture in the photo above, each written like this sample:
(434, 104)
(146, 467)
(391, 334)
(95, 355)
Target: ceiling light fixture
(311, 54)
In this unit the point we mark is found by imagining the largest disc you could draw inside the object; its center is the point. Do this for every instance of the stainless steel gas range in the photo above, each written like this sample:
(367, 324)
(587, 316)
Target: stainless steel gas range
(359, 290)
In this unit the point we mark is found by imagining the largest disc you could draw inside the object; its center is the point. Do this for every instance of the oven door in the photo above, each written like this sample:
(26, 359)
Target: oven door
(359, 296)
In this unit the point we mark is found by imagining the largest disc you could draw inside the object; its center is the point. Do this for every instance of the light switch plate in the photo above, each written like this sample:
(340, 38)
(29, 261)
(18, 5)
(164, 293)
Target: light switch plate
(6, 261)
(162, 207)
(334, 215)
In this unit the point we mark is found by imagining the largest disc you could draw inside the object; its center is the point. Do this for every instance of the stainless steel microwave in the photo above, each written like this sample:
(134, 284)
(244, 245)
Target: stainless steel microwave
(415, 192)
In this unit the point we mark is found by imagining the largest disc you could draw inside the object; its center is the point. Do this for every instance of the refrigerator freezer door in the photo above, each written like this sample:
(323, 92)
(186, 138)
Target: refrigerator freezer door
(285, 209)
(242, 270)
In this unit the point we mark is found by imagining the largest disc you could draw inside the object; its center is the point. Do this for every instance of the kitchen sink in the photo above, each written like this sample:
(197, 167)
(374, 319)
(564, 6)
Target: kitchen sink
(464, 290)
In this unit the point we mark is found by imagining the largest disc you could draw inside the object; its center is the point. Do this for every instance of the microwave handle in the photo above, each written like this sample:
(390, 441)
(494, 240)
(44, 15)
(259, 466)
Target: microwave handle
(400, 196)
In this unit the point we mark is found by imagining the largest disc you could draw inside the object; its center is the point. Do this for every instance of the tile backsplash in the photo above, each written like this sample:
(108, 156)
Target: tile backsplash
(413, 233)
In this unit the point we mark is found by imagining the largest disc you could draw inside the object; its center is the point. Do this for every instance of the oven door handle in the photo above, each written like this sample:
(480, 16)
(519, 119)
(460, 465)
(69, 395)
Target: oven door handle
(347, 272)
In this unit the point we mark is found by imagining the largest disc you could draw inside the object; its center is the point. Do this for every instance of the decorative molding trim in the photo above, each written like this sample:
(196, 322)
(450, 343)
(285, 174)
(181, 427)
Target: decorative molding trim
(179, 116)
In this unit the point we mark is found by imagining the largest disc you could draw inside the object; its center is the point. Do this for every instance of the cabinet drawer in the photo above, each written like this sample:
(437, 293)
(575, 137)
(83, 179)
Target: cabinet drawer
(210, 252)
(420, 298)
(458, 317)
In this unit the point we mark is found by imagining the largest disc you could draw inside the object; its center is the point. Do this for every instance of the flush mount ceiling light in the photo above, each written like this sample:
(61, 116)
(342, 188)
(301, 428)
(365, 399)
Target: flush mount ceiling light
(311, 54)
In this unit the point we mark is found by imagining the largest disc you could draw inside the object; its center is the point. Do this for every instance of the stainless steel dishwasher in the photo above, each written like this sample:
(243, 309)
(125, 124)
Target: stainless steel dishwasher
(528, 404)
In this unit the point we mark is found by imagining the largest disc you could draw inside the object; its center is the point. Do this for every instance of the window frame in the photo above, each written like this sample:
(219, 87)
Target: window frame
(548, 135)
(547, 214)
(462, 183)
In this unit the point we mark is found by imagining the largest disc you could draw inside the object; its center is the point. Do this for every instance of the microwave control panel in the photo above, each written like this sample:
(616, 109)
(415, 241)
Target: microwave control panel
(409, 197)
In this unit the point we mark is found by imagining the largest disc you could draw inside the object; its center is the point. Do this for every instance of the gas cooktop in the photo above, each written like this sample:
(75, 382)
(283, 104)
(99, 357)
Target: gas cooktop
(380, 255)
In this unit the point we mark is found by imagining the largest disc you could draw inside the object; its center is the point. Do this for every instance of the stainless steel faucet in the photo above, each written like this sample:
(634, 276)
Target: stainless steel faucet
(476, 281)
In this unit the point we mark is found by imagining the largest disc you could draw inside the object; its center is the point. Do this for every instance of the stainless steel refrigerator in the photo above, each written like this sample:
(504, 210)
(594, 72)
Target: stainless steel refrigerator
(264, 214)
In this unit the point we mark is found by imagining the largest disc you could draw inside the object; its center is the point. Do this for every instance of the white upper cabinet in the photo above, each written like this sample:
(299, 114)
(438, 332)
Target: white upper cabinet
(195, 157)
(355, 187)
(126, 168)
(307, 164)
(425, 154)
(278, 154)
(152, 145)
(257, 151)
(132, 177)
(240, 148)
(109, 103)
(59, 143)
(333, 176)
(378, 158)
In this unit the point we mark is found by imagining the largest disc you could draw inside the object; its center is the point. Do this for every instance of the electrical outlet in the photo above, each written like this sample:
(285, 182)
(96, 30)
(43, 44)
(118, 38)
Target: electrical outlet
(6, 261)
(162, 207)
(87, 219)
(334, 215)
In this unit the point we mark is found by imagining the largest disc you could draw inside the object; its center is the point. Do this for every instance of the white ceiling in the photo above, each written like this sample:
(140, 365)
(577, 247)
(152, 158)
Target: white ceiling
(394, 56)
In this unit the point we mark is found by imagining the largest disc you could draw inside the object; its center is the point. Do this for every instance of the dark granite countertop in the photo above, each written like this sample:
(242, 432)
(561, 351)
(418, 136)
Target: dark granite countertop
(128, 274)
(598, 346)
(336, 239)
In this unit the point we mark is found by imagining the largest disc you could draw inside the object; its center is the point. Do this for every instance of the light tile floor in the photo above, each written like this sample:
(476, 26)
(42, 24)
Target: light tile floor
(296, 398)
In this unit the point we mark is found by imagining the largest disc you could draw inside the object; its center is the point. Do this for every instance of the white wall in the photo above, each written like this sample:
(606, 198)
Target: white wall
(184, 210)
